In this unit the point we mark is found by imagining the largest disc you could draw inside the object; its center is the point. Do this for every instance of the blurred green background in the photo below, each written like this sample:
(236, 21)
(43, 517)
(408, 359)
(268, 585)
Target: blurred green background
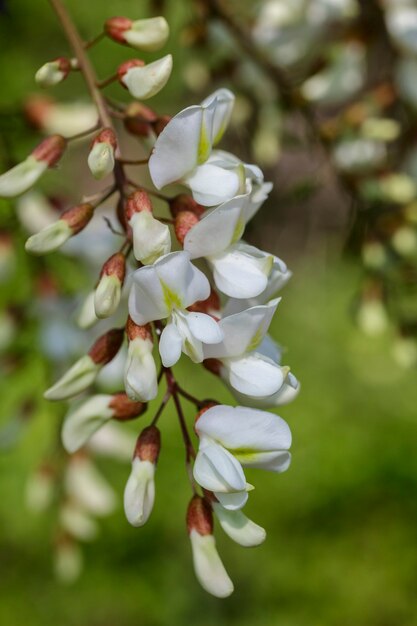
(342, 533)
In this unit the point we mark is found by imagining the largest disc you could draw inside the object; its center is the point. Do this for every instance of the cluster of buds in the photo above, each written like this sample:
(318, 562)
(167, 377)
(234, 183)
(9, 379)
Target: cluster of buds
(218, 317)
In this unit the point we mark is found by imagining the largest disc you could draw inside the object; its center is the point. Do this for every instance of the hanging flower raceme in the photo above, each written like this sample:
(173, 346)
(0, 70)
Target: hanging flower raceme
(233, 438)
(101, 157)
(82, 422)
(151, 239)
(139, 493)
(208, 566)
(109, 289)
(146, 34)
(140, 369)
(164, 291)
(84, 372)
(145, 80)
(24, 175)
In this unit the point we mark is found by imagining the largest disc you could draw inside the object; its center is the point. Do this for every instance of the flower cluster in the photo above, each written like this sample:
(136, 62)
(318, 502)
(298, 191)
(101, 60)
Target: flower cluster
(211, 296)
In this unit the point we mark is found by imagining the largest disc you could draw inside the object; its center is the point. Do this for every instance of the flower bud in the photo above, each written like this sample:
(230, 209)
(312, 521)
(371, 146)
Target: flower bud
(84, 371)
(24, 175)
(144, 81)
(160, 124)
(151, 238)
(208, 566)
(147, 34)
(139, 119)
(85, 485)
(239, 527)
(86, 316)
(108, 291)
(40, 489)
(81, 423)
(184, 221)
(140, 369)
(139, 495)
(101, 157)
(77, 522)
(68, 561)
(55, 235)
(53, 72)
(184, 202)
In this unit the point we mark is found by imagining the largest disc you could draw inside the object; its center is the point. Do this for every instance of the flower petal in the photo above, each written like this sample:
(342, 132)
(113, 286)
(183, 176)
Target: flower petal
(146, 81)
(239, 527)
(254, 375)
(232, 501)
(217, 470)
(170, 345)
(225, 100)
(277, 461)
(204, 327)
(211, 185)
(208, 567)
(139, 494)
(81, 423)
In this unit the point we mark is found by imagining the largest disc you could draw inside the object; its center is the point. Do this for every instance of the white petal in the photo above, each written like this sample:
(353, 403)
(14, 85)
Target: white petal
(277, 461)
(146, 81)
(225, 100)
(49, 74)
(204, 327)
(85, 485)
(239, 527)
(242, 271)
(211, 185)
(78, 378)
(183, 283)
(77, 522)
(49, 238)
(86, 316)
(147, 34)
(175, 151)
(217, 470)
(241, 428)
(232, 501)
(151, 238)
(140, 371)
(208, 567)
(191, 346)
(139, 492)
(21, 177)
(82, 422)
(217, 229)
(146, 298)
(107, 296)
(101, 159)
(254, 375)
(243, 332)
(170, 345)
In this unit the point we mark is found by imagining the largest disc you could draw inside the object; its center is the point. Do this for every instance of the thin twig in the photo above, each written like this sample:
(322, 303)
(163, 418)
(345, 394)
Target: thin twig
(94, 41)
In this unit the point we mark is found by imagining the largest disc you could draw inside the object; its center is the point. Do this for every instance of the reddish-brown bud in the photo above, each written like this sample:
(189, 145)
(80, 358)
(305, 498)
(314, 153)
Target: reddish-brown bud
(139, 119)
(107, 135)
(50, 149)
(37, 109)
(184, 202)
(114, 28)
(199, 516)
(184, 221)
(107, 346)
(126, 66)
(137, 201)
(210, 306)
(133, 331)
(125, 409)
(160, 124)
(148, 445)
(64, 65)
(77, 217)
(115, 266)
(213, 366)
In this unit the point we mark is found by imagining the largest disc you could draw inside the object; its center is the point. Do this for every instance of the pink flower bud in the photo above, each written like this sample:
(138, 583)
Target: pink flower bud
(184, 221)
(101, 156)
(107, 346)
(50, 150)
(124, 409)
(126, 66)
(53, 72)
(108, 291)
(77, 217)
(137, 201)
(115, 27)
(184, 202)
(148, 445)
(199, 516)
(139, 119)
(146, 34)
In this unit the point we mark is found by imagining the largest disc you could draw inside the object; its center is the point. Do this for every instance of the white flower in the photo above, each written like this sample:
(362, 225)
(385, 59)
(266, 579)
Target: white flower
(165, 290)
(239, 527)
(146, 81)
(53, 72)
(77, 522)
(146, 34)
(183, 152)
(244, 367)
(239, 270)
(80, 376)
(140, 370)
(233, 438)
(80, 424)
(151, 238)
(86, 315)
(101, 156)
(85, 485)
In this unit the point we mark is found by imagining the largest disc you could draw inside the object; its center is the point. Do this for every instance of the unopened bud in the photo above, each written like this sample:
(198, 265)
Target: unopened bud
(208, 566)
(140, 375)
(139, 119)
(151, 238)
(84, 371)
(71, 222)
(81, 423)
(184, 221)
(86, 316)
(147, 34)
(108, 291)
(138, 201)
(144, 81)
(185, 202)
(101, 156)
(160, 124)
(139, 495)
(53, 72)
(24, 175)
